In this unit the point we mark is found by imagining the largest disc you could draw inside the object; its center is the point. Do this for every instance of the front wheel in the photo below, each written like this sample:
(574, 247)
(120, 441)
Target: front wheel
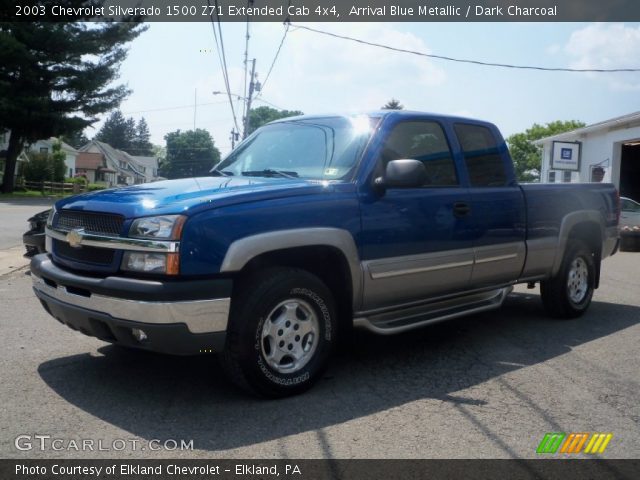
(281, 332)
(568, 294)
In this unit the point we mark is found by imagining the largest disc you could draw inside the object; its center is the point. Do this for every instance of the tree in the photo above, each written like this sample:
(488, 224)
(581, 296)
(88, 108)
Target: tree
(76, 139)
(393, 104)
(159, 152)
(189, 154)
(117, 131)
(141, 144)
(55, 77)
(526, 156)
(263, 115)
(124, 134)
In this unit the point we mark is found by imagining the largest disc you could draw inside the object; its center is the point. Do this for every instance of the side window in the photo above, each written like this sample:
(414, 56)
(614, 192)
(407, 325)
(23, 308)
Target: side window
(424, 141)
(481, 156)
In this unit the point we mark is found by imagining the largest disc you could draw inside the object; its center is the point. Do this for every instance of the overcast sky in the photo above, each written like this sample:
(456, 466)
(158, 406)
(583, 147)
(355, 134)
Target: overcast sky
(318, 74)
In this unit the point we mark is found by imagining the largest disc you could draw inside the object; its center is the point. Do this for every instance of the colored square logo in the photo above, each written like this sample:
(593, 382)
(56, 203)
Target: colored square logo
(566, 153)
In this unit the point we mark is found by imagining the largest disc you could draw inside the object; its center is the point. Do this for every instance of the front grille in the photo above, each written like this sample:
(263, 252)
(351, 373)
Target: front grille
(95, 255)
(98, 223)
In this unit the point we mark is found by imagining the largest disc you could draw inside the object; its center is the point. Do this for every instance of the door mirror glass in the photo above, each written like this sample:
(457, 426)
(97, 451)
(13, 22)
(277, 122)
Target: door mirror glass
(405, 173)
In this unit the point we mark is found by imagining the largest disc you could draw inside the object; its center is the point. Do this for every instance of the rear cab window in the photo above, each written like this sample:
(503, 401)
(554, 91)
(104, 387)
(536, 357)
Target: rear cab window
(482, 158)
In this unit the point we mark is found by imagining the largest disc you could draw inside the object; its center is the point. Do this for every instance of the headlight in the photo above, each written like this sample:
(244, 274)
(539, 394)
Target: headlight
(166, 263)
(165, 227)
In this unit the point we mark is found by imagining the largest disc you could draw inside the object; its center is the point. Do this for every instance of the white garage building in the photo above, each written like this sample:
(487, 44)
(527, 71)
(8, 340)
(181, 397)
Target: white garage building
(608, 151)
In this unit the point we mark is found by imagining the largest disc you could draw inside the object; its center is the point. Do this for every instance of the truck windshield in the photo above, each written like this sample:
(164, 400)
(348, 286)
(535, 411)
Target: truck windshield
(314, 148)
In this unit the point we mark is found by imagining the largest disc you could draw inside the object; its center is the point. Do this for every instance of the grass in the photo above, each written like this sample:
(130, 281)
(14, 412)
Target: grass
(32, 194)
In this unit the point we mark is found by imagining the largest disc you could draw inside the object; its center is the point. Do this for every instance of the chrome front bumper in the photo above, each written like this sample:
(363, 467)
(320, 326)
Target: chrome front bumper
(178, 316)
(200, 316)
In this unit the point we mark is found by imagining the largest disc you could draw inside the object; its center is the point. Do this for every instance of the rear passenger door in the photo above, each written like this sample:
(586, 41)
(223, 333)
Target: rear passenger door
(416, 242)
(498, 212)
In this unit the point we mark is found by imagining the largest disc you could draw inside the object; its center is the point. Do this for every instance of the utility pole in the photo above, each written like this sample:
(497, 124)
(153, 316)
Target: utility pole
(252, 87)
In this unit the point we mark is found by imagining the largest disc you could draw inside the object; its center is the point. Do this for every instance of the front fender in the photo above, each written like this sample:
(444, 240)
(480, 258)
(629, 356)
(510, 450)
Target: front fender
(243, 250)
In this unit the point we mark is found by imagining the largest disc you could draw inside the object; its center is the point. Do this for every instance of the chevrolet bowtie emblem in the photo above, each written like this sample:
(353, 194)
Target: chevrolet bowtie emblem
(74, 237)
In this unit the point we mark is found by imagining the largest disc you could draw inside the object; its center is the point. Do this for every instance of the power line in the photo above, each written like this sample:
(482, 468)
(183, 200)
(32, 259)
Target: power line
(172, 108)
(287, 23)
(257, 99)
(224, 61)
(246, 60)
(222, 58)
(473, 62)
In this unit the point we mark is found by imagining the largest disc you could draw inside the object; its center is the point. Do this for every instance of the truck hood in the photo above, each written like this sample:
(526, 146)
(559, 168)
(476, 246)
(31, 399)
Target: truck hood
(189, 195)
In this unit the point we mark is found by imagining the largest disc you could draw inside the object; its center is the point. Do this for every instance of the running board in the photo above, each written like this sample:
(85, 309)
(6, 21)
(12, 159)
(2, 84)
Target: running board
(404, 319)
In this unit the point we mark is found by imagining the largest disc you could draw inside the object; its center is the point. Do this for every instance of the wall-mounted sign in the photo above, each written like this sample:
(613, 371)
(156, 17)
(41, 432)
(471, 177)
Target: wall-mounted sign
(565, 156)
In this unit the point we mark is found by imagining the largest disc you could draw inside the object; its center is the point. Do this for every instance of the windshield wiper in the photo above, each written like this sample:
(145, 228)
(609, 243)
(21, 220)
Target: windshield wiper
(270, 172)
(223, 173)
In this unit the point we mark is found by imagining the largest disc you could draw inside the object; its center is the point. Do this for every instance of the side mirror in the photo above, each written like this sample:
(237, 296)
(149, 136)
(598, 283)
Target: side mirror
(405, 173)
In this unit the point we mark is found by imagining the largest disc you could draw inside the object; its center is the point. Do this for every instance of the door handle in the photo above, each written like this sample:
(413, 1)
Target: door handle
(461, 209)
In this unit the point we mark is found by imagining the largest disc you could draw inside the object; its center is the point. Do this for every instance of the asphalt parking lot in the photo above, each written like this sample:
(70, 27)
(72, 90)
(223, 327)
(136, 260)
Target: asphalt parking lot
(485, 386)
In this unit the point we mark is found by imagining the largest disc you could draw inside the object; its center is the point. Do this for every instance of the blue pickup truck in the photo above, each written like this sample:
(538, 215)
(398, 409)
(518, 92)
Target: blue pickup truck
(312, 226)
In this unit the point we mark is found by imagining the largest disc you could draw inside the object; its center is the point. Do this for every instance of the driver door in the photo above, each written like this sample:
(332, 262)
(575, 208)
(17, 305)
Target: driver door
(417, 242)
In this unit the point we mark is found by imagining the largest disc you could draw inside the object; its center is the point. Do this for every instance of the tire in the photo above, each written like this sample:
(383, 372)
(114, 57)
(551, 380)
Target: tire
(281, 332)
(569, 293)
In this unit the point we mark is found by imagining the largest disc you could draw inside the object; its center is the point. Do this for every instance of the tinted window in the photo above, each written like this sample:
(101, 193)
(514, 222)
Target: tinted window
(566, 176)
(482, 158)
(629, 206)
(424, 141)
(552, 177)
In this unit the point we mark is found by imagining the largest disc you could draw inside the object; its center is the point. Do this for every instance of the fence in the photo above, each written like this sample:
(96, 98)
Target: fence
(55, 187)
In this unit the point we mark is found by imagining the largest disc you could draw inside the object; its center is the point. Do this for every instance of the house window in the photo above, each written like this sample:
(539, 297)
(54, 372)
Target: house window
(44, 150)
(552, 176)
(566, 176)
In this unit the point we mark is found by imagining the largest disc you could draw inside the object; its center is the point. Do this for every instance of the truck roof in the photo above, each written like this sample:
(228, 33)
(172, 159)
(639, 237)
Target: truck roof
(407, 114)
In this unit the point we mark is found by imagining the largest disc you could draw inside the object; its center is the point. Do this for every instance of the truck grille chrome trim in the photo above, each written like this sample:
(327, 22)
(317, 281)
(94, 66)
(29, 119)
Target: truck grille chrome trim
(92, 222)
(117, 243)
(200, 316)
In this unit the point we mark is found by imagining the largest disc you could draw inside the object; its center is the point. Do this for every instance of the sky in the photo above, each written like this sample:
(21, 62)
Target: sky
(173, 66)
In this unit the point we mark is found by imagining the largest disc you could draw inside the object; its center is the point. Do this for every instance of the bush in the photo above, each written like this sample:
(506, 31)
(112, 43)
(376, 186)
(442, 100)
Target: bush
(95, 186)
(43, 167)
(77, 180)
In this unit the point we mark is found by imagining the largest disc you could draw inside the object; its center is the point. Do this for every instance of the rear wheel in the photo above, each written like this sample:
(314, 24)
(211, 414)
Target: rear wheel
(569, 293)
(281, 332)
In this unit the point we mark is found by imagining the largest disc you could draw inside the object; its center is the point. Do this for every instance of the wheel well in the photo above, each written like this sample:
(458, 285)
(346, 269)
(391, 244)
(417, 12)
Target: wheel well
(590, 233)
(328, 263)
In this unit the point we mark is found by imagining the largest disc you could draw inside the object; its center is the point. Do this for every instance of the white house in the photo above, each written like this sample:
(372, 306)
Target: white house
(129, 169)
(607, 151)
(46, 146)
(149, 166)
